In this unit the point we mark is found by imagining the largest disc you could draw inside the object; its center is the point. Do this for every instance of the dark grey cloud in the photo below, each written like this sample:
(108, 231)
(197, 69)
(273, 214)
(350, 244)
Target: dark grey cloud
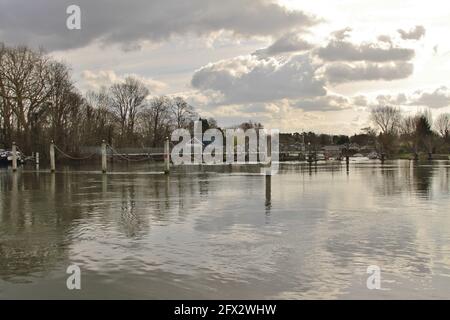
(288, 43)
(414, 34)
(43, 22)
(342, 50)
(345, 72)
(252, 79)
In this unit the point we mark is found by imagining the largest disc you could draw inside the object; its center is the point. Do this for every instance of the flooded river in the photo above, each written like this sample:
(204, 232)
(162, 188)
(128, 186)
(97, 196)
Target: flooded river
(302, 234)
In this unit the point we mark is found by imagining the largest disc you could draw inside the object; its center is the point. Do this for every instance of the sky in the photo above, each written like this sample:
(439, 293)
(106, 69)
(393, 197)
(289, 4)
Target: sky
(292, 65)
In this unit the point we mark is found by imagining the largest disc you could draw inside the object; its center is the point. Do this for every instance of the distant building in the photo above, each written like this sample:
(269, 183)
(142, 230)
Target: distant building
(332, 150)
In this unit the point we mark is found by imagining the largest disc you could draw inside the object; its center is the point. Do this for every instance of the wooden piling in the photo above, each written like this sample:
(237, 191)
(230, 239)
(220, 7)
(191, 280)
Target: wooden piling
(104, 159)
(268, 191)
(166, 156)
(37, 160)
(52, 156)
(269, 155)
(14, 156)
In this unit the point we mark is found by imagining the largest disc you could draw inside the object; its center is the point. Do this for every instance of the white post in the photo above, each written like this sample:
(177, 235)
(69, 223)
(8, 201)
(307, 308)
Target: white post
(14, 156)
(166, 156)
(104, 160)
(52, 156)
(37, 160)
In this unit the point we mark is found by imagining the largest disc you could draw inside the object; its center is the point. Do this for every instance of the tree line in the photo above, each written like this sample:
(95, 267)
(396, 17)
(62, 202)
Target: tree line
(39, 103)
(392, 133)
(398, 133)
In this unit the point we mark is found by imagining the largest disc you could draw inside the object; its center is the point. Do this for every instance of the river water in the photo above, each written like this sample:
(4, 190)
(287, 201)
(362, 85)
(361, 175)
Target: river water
(304, 233)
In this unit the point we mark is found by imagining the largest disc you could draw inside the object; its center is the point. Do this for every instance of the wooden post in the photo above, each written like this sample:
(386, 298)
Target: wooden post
(14, 156)
(268, 191)
(104, 160)
(52, 156)
(166, 156)
(37, 160)
(269, 155)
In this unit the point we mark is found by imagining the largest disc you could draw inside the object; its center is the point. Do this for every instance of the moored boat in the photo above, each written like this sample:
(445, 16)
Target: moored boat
(7, 156)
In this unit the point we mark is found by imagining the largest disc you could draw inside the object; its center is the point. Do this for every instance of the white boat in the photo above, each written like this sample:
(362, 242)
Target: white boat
(359, 157)
(6, 158)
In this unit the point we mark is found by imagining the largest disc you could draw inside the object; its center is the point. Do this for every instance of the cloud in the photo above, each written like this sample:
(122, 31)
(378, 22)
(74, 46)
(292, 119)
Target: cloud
(398, 99)
(339, 50)
(291, 42)
(360, 101)
(344, 61)
(385, 38)
(341, 34)
(439, 98)
(414, 34)
(43, 22)
(251, 79)
(345, 72)
(106, 78)
(325, 103)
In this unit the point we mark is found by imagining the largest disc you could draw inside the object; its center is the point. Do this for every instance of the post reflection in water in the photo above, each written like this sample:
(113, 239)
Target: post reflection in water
(207, 235)
(268, 189)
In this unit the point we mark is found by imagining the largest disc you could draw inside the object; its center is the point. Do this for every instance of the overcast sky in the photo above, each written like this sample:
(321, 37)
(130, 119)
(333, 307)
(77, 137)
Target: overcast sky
(293, 65)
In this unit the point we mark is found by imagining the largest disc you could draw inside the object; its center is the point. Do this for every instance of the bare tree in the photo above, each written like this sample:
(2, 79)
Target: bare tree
(408, 127)
(183, 113)
(5, 106)
(25, 87)
(442, 125)
(98, 121)
(127, 100)
(156, 120)
(387, 118)
(60, 101)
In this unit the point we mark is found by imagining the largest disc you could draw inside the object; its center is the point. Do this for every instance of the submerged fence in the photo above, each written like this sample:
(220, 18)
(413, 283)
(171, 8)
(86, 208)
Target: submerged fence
(103, 152)
(127, 154)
